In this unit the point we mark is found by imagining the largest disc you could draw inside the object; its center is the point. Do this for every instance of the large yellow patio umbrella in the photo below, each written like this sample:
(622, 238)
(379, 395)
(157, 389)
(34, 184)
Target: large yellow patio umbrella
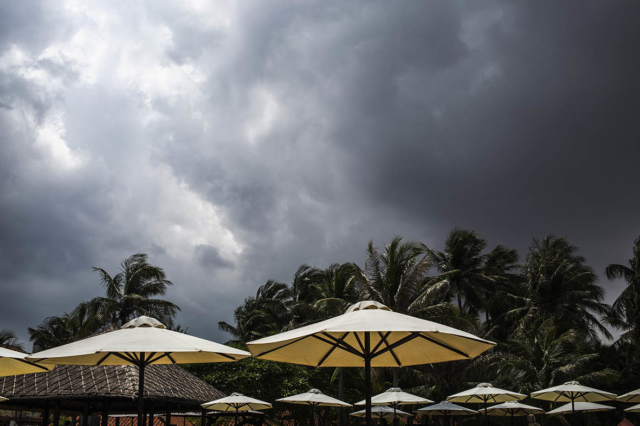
(13, 363)
(142, 341)
(484, 393)
(573, 392)
(369, 335)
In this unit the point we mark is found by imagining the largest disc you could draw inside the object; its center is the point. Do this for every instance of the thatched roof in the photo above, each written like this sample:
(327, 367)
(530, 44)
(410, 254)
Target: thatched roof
(73, 385)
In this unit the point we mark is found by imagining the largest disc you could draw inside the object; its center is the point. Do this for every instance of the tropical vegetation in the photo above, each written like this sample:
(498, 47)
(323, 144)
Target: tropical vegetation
(547, 314)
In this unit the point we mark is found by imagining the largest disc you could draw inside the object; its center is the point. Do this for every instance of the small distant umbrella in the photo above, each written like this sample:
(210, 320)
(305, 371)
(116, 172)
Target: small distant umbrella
(573, 392)
(512, 408)
(447, 409)
(633, 396)
(382, 412)
(580, 407)
(315, 398)
(485, 393)
(236, 402)
(394, 397)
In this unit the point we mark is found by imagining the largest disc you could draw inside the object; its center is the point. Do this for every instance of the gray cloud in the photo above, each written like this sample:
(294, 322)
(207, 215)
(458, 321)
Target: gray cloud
(234, 143)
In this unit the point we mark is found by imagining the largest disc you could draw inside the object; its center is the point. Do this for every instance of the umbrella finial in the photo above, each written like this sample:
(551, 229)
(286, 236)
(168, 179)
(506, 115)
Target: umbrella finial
(369, 304)
(394, 390)
(143, 321)
(485, 385)
(572, 383)
(316, 391)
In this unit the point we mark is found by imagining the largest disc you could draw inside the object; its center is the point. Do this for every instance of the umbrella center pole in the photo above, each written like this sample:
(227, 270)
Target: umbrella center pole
(367, 376)
(141, 419)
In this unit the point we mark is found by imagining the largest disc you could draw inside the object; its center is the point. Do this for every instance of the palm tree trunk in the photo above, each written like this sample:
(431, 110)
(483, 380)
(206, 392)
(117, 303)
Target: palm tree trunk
(396, 380)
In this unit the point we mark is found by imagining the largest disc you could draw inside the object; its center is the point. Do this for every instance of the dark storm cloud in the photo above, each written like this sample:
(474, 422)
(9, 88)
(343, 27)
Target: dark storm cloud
(234, 143)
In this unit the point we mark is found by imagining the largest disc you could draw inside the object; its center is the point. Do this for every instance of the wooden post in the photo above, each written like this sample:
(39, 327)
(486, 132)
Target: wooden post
(56, 413)
(167, 418)
(105, 413)
(204, 417)
(151, 414)
(45, 415)
(118, 421)
(85, 415)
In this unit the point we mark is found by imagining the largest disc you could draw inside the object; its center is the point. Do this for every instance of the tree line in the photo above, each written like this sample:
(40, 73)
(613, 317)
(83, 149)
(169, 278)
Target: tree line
(547, 314)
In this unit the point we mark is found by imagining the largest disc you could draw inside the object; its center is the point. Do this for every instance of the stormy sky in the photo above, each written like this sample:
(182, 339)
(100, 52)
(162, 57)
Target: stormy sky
(235, 140)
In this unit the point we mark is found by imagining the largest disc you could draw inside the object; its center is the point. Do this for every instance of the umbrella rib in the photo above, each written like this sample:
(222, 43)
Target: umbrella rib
(344, 346)
(381, 340)
(103, 358)
(283, 346)
(402, 341)
(219, 353)
(330, 351)
(151, 361)
(171, 358)
(444, 345)
(384, 339)
(32, 363)
(359, 342)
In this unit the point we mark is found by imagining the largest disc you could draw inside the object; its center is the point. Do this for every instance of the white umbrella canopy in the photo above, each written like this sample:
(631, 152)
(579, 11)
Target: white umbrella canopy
(573, 392)
(13, 363)
(484, 393)
(369, 335)
(142, 341)
(633, 396)
(382, 412)
(512, 408)
(236, 402)
(634, 409)
(580, 407)
(394, 397)
(314, 397)
(447, 408)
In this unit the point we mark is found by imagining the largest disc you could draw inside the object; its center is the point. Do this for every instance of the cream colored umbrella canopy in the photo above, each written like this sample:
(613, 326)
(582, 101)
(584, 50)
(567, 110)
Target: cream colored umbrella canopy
(13, 363)
(314, 397)
(513, 409)
(394, 397)
(634, 409)
(633, 396)
(369, 335)
(447, 408)
(573, 392)
(383, 412)
(236, 402)
(485, 393)
(580, 407)
(142, 341)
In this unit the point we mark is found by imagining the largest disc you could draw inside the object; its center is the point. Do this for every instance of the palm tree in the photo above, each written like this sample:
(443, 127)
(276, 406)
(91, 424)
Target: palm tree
(546, 357)
(132, 292)
(55, 331)
(461, 268)
(266, 313)
(336, 288)
(395, 277)
(625, 313)
(9, 340)
(558, 284)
